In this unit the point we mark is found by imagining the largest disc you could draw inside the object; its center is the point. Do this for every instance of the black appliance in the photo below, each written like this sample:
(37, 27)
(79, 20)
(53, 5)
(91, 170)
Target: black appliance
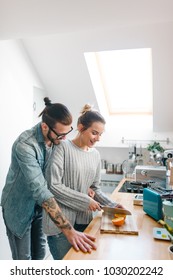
(135, 186)
(138, 187)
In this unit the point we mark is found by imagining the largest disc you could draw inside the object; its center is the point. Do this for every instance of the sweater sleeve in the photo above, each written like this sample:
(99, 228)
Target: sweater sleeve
(100, 196)
(54, 175)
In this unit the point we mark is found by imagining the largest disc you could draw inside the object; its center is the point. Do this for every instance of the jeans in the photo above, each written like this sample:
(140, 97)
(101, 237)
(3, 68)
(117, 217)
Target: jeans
(59, 245)
(32, 246)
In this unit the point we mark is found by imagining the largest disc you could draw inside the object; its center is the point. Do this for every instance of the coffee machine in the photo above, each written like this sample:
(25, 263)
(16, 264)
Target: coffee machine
(168, 154)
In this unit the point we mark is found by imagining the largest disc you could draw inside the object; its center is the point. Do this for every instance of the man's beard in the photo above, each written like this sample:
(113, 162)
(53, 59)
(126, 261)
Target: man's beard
(50, 138)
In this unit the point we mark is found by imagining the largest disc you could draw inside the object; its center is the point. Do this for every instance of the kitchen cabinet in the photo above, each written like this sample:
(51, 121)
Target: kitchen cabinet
(123, 246)
(109, 182)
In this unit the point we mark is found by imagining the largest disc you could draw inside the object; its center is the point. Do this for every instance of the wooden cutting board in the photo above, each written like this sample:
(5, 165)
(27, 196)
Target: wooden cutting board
(129, 226)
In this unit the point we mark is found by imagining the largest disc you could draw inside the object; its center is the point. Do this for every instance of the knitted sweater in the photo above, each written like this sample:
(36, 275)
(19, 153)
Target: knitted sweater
(70, 172)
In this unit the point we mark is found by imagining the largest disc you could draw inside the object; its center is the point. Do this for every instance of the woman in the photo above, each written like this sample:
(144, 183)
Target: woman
(25, 191)
(73, 168)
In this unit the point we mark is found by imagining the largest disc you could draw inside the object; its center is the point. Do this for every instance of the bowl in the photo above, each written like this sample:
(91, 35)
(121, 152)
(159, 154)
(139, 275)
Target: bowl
(170, 251)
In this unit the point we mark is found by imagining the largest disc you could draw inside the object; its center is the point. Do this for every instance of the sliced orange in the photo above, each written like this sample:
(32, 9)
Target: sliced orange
(118, 221)
(117, 215)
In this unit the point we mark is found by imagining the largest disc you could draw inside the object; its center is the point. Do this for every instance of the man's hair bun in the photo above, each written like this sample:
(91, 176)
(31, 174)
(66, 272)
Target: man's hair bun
(47, 101)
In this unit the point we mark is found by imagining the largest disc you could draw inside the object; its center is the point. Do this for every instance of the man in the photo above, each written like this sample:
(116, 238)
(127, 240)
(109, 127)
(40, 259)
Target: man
(25, 191)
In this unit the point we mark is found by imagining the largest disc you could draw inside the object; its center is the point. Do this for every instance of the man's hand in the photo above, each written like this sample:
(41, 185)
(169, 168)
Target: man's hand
(79, 240)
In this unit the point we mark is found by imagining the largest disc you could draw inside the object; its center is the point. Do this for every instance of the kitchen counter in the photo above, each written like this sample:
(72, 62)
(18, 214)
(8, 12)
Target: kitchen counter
(123, 246)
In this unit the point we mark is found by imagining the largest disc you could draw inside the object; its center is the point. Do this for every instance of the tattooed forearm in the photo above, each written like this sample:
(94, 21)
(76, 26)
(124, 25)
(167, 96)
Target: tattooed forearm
(50, 204)
(55, 214)
(60, 222)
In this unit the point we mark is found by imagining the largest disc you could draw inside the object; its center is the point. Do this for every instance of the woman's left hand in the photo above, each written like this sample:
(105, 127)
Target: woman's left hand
(119, 206)
(91, 193)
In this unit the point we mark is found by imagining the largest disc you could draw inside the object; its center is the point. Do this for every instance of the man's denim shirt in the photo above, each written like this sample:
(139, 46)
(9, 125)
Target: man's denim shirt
(25, 183)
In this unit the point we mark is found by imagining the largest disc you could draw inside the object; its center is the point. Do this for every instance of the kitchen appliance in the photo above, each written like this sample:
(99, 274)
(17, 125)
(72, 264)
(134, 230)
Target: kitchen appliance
(136, 186)
(161, 233)
(128, 167)
(168, 212)
(152, 201)
(138, 199)
(151, 172)
(152, 204)
(168, 154)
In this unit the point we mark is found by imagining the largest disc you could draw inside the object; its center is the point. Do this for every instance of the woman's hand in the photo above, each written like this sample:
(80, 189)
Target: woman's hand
(119, 206)
(91, 193)
(94, 205)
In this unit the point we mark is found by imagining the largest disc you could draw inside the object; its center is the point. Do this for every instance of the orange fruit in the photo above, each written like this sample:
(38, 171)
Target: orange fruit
(120, 215)
(118, 221)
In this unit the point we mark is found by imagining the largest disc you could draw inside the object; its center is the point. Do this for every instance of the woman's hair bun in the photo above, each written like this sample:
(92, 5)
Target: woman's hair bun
(47, 101)
(86, 108)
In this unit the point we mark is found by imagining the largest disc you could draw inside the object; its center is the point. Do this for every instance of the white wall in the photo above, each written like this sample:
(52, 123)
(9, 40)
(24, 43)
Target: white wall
(59, 59)
(17, 78)
(68, 72)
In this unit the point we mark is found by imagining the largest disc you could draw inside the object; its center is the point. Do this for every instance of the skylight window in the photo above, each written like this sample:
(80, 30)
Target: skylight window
(122, 79)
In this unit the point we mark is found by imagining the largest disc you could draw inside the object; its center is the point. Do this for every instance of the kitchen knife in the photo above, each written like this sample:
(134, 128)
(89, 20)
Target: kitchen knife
(115, 210)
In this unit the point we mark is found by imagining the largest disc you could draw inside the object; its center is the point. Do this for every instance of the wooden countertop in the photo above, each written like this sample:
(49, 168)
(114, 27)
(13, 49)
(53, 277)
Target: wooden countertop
(121, 246)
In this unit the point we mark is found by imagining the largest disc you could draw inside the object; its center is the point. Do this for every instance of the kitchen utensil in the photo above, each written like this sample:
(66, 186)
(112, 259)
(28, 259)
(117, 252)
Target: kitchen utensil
(129, 227)
(115, 210)
(128, 167)
(110, 168)
(118, 168)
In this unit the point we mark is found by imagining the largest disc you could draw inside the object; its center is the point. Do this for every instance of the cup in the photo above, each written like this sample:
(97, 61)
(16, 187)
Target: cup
(110, 168)
(168, 212)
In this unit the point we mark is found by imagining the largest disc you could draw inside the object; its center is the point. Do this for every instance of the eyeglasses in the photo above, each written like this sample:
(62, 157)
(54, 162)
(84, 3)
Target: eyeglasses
(59, 136)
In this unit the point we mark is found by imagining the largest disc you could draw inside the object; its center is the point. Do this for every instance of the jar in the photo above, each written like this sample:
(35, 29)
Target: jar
(103, 164)
(110, 168)
(118, 169)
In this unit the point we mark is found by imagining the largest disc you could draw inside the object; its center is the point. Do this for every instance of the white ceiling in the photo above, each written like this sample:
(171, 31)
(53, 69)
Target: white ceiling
(23, 18)
(49, 31)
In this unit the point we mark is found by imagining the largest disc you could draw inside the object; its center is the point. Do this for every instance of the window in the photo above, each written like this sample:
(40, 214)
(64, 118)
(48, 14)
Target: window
(122, 80)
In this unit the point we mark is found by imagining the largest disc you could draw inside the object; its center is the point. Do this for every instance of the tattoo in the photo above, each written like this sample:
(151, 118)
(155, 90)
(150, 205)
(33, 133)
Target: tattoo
(59, 223)
(50, 204)
(55, 214)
